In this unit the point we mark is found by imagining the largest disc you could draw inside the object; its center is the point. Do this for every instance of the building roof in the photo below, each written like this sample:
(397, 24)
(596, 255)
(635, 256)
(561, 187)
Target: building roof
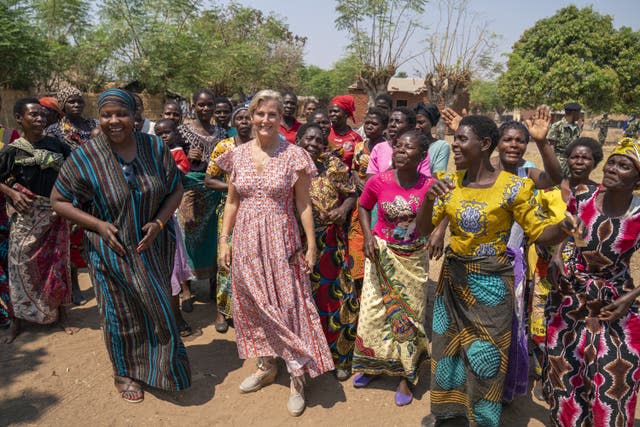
(413, 85)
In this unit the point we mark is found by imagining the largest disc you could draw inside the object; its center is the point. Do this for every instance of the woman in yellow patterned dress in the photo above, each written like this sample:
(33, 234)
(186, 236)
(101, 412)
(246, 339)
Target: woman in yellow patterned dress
(473, 304)
(333, 195)
(216, 179)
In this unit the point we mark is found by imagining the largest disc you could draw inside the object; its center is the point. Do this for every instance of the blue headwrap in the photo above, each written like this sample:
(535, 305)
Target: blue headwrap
(117, 96)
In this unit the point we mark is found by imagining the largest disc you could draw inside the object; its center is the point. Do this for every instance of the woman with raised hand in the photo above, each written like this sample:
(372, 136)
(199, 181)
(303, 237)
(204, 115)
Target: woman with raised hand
(217, 180)
(592, 366)
(474, 300)
(122, 188)
(391, 338)
(273, 310)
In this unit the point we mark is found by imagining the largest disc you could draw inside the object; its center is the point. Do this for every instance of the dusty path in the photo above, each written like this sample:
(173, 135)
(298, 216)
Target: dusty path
(49, 378)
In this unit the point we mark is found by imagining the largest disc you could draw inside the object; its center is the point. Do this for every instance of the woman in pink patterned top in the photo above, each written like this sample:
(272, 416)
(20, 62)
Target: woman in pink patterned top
(274, 313)
(391, 338)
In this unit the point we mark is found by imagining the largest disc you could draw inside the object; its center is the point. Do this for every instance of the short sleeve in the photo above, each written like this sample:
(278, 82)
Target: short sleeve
(225, 161)
(527, 211)
(425, 166)
(439, 156)
(339, 176)
(213, 169)
(369, 196)
(7, 159)
(440, 204)
(301, 162)
(373, 168)
(73, 181)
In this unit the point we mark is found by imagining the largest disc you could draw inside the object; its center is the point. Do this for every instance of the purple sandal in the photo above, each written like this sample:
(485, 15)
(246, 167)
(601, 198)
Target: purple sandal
(402, 399)
(361, 380)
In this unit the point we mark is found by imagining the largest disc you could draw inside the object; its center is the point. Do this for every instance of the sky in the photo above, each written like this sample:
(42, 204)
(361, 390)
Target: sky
(325, 45)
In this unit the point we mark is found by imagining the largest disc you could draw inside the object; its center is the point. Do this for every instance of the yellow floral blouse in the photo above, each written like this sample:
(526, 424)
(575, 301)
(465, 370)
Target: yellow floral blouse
(480, 219)
(222, 147)
(330, 187)
(361, 156)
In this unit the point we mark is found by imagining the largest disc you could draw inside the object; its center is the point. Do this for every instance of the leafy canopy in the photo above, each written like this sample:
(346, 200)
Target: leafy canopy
(574, 55)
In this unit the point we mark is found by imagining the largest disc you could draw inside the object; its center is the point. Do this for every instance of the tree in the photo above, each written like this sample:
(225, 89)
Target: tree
(574, 55)
(380, 32)
(21, 47)
(484, 97)
(459, 48)
(325, 84)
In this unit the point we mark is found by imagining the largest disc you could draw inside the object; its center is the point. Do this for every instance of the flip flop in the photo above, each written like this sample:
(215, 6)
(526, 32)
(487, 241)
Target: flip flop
(402, 399)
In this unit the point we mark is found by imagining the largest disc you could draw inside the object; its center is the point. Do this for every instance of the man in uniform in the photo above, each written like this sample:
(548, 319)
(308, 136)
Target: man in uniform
(632, 127)
(565, 131)
(603, 128)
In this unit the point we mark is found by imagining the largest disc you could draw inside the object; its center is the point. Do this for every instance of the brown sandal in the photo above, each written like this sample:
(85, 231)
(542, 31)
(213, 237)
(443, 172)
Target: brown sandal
(127, 388)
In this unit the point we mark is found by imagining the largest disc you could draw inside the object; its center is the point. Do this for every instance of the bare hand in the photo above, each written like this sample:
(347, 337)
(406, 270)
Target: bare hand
(573, 226)
(224, 256)
(21, 202)
(310, 260)
(195, 153)
(109, 234)
(337, 216)
(151, 231)
(452, 119)
(440, 188)
(555, 270)
(436, 245)
(370, 248)
(538, 125)
(616, 309)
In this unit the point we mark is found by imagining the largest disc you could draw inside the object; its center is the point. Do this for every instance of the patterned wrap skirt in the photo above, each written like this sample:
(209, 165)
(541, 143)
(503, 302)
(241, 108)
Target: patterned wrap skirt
(391, 338)
(39, 265)
(472, 323)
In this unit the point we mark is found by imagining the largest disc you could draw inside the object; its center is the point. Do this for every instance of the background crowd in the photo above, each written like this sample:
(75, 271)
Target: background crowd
(316, 237)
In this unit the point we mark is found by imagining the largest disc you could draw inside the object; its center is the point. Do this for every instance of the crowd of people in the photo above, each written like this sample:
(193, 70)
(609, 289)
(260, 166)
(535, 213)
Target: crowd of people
(316, 238)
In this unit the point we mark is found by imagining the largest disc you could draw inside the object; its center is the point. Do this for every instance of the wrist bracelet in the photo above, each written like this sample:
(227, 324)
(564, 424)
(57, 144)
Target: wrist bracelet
(225, 237)
(160, 223)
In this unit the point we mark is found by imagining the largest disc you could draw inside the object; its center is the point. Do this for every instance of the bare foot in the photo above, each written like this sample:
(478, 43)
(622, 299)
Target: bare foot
(12, 331)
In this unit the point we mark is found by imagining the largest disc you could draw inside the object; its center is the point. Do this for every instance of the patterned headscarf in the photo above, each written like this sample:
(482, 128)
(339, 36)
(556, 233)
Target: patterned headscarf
(237, 110)
(117, 96)
(66, 93)
(346, 104)
(630, 148)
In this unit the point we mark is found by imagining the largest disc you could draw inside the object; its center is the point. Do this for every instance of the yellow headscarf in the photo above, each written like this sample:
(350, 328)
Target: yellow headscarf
(628, 147)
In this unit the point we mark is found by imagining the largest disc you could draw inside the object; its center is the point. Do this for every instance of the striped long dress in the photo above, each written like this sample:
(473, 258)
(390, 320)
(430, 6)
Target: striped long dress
(133, 290)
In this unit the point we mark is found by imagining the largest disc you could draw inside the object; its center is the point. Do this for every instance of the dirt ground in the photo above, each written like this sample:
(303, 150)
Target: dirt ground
(50, 378)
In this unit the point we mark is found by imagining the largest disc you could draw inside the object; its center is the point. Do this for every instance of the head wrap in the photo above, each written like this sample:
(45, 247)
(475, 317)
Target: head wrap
(572, 106)
(346, 104)
(430, 111)
(238, 109)
(52, 104)
(66, 93)
(117, 96)
(628, 147)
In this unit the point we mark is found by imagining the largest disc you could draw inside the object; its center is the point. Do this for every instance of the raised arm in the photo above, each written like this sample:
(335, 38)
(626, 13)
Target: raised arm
(538, 127)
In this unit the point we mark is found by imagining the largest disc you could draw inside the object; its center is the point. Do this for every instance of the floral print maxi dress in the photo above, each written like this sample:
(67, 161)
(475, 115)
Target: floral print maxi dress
(273, 309)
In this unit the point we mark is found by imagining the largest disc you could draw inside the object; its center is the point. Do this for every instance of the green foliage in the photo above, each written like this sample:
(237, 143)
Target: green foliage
(22, 47)
(484, 97)
(325, 84)
(575, 55)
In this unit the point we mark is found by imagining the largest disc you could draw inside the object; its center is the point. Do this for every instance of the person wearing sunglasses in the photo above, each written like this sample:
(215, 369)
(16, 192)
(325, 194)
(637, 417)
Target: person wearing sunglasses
(123, 187)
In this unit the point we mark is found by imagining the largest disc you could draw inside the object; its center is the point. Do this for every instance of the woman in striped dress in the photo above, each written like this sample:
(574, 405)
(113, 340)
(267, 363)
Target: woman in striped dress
(122, 188)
